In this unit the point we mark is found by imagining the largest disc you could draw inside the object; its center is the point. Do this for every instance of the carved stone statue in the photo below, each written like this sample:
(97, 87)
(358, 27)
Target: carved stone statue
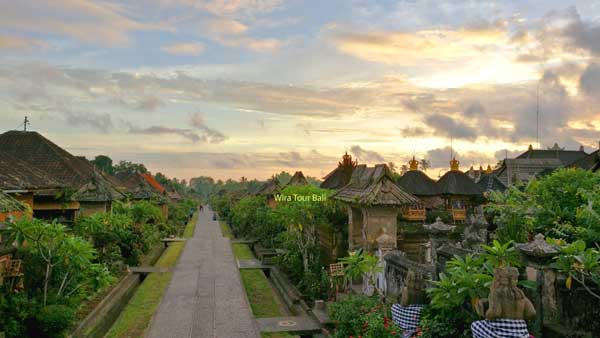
(508, 308)
(506, 299)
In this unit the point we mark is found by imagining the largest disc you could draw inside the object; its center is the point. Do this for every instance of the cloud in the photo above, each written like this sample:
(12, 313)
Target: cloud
(149, 103)
(257, 45)
(93, 22)
(413, 132)
(192, 48)
(224, 26)
(413, 48)
(583, 35)
(450, 127)
(210, 135)
(589, 81)
(101, 122)
(440, 158)
(367, 156)
(20, 43)
(161, 130)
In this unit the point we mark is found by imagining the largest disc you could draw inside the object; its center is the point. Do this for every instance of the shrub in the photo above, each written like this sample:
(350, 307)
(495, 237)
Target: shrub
(51, 321)
(362, 316)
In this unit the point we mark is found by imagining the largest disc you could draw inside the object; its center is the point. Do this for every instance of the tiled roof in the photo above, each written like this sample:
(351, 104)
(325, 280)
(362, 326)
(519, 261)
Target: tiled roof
(489, 182)
(16, 174)
(36, 151)
(137, 187)
(590, 162)
(418, 184)
(374, 186)
(566, 157)
(154, 183)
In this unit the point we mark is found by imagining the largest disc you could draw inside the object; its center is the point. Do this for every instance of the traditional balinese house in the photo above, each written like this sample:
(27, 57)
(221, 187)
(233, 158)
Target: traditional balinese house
(139, 187)
(417, 183)
(297, 180)
(459, 191)
(269, 189)
(341, 175)
(488, 182)
(81, 189)
(475, 174)
(373, 201)
(174, 196)
(534, 161)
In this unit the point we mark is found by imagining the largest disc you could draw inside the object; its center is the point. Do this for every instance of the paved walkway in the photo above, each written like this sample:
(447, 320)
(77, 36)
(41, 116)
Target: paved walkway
(205, 298)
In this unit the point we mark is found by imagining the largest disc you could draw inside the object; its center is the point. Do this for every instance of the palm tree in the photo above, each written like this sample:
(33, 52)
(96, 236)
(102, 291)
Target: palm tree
(424, 164)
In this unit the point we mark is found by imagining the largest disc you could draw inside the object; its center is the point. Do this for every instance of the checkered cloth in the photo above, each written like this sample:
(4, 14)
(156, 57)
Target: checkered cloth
(500, 328)
(407, 318)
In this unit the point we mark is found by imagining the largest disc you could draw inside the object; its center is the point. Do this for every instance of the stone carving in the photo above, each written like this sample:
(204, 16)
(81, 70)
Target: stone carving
(506, 300)
(475, 232)
(439, 228)
(508, 308)
(539, 248)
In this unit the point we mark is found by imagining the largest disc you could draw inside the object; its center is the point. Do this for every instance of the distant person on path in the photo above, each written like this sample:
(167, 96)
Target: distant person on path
(200, 207)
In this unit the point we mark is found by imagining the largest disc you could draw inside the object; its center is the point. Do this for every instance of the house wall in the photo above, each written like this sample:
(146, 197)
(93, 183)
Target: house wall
(376, 219)
(90, 208)
(4, 216)
(355, 228)
(26, 198)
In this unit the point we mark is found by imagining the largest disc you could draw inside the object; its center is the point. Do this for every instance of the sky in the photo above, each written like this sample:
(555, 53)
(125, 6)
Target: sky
(253, 87)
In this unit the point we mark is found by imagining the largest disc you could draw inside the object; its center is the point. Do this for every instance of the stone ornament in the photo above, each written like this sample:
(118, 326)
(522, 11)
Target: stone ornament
(539, 248)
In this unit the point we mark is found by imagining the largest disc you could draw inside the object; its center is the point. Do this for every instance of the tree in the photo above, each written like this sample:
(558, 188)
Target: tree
(129, 167)
(103, 163)
(283, 178)
(347, 166)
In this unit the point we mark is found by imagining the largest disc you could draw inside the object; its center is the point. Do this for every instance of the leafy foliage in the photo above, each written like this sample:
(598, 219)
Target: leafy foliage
(362, 316)
(581, 264)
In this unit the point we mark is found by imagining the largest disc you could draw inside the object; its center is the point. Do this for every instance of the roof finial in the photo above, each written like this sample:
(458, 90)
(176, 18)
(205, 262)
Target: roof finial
(489, 169)
(454, 164)
(413, 164)
(25, 123)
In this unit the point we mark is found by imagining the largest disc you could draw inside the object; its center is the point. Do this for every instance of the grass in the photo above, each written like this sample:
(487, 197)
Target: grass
(135, 318)
(242, 251)
(225, 230)
(190, 227)
(263, 300)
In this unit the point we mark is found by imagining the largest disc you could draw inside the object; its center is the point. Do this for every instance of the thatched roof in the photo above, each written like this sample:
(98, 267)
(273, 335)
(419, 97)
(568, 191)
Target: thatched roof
(271, 187)
(418, 184)
(334, 180)
(374, 186)
(8, 204)
(297, 179)
(69, 171)
(455, 182)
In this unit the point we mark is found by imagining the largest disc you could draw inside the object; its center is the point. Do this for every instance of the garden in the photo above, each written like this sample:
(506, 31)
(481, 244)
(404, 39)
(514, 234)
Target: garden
(67, 270)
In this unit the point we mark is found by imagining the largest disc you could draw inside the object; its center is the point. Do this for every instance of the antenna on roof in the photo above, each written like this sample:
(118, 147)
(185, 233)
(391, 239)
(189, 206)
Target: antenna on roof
(25, 123)
(537, 115)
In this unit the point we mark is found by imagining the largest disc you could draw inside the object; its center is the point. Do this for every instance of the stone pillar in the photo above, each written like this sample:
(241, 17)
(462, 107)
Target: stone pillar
(439, 233)
(538, 256)
(385, 244)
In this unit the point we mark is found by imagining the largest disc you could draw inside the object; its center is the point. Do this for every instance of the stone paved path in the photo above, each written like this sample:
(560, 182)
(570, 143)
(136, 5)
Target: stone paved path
(205, 298)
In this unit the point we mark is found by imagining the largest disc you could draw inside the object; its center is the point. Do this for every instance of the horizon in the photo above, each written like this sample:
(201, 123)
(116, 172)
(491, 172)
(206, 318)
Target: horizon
(252, 88)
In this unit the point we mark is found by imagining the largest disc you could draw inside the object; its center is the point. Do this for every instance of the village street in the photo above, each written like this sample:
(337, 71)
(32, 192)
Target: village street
(205, 297)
